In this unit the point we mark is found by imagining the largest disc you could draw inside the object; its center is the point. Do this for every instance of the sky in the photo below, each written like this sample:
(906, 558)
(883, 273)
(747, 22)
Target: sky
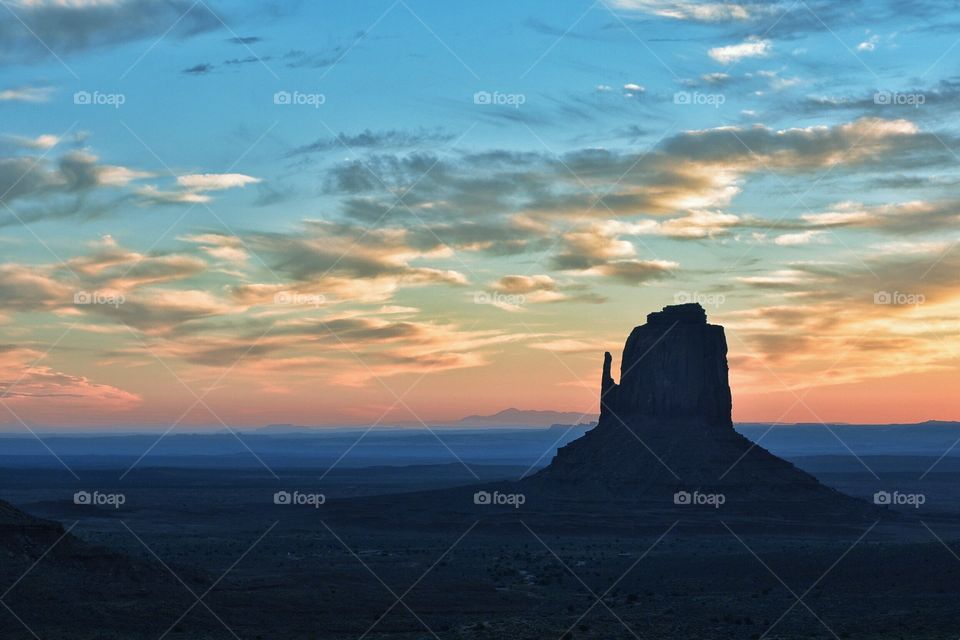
(405, 210)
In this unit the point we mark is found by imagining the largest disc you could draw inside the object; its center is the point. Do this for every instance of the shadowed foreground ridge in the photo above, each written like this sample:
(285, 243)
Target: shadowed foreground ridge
(667, 427)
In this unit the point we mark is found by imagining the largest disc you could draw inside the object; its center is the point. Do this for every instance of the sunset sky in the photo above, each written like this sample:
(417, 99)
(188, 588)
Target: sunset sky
(355, 212)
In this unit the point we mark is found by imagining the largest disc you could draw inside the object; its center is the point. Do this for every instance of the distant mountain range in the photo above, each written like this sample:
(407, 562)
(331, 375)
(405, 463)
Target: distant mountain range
(524, 418)
(516, 418)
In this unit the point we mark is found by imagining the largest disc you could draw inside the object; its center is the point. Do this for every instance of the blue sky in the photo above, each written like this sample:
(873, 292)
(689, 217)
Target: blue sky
(476, 196)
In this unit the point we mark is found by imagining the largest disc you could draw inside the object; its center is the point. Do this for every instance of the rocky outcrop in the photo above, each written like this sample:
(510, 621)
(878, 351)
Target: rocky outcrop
(674, 366)
(667, 427)
(21, 533)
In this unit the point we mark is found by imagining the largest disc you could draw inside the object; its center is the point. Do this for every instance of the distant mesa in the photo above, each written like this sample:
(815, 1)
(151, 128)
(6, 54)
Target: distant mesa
(666, 427)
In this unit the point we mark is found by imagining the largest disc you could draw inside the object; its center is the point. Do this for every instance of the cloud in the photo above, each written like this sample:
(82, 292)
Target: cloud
(795, 239)
(367, 139)
(110, 282)
(896, 299)
(752, 48)
(40, 393)
(215, 181)
(26, 94)
(150, 194)
(199, 69)
(913, 217)
(68, 27)
(74, 173)
(695, 11)
(351, 262)
(220, 247)
(518, 290)
(42, 142)
(692, 170)
(870, 44)
(194, 188)
(634, 272)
